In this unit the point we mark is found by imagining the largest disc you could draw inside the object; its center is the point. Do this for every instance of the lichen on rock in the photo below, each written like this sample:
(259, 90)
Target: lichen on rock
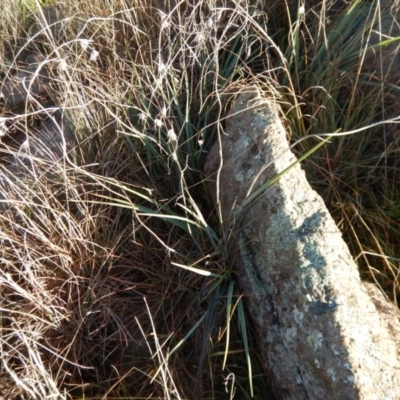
(321, 334)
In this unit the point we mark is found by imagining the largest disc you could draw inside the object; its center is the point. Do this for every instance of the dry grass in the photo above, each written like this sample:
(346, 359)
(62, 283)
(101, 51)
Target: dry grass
(101, 242)
(114, 275)
(345, 82)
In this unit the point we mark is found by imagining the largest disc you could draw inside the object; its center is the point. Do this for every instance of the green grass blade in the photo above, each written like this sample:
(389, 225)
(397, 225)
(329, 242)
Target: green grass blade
(243, 329)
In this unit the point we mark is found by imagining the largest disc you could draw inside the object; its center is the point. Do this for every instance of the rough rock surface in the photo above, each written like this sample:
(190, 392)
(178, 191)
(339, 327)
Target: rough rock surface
(322, 335)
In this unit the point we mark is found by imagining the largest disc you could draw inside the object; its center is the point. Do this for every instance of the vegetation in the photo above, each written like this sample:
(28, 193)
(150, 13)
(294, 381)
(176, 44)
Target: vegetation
(115, 273)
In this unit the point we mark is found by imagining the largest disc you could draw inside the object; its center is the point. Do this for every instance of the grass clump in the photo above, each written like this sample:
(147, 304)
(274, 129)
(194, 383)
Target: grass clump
(115, 280)
(112, 279)
(341, 79)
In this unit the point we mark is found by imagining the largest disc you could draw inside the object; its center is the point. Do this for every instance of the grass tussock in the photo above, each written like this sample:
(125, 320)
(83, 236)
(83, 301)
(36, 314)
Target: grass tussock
(112, 279)
(115, 280)
(343, 81)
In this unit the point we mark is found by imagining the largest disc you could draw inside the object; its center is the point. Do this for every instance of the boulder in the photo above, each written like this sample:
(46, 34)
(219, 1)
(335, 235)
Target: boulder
(322, 335)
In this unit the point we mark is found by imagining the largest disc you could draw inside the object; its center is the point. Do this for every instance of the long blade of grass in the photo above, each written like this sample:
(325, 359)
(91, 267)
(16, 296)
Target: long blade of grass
(228, 321)
(180, 343)
(197, 270)
(263, 188)
(243, 328)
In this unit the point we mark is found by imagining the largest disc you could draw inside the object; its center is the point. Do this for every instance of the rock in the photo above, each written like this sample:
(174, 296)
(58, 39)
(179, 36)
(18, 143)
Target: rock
(26, 82)
(51, 140)
(322, 336)
(41, 158)
(388, 312)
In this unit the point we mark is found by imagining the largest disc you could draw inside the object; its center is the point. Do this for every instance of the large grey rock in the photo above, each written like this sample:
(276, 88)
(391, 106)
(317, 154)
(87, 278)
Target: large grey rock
(322, 336)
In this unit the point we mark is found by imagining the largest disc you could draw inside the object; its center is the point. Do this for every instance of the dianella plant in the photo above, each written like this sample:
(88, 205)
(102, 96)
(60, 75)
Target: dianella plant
(116, 276)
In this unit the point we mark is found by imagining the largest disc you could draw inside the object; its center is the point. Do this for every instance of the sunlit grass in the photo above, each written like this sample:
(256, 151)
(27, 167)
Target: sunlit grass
(340, 85)
(118, 273)
(115, 272)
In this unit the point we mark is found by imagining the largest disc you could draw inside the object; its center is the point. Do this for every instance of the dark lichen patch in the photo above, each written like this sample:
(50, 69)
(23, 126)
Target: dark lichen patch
(311, 253)
(318, 308)
(254, 149)
(246, 165)
(310, 224)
